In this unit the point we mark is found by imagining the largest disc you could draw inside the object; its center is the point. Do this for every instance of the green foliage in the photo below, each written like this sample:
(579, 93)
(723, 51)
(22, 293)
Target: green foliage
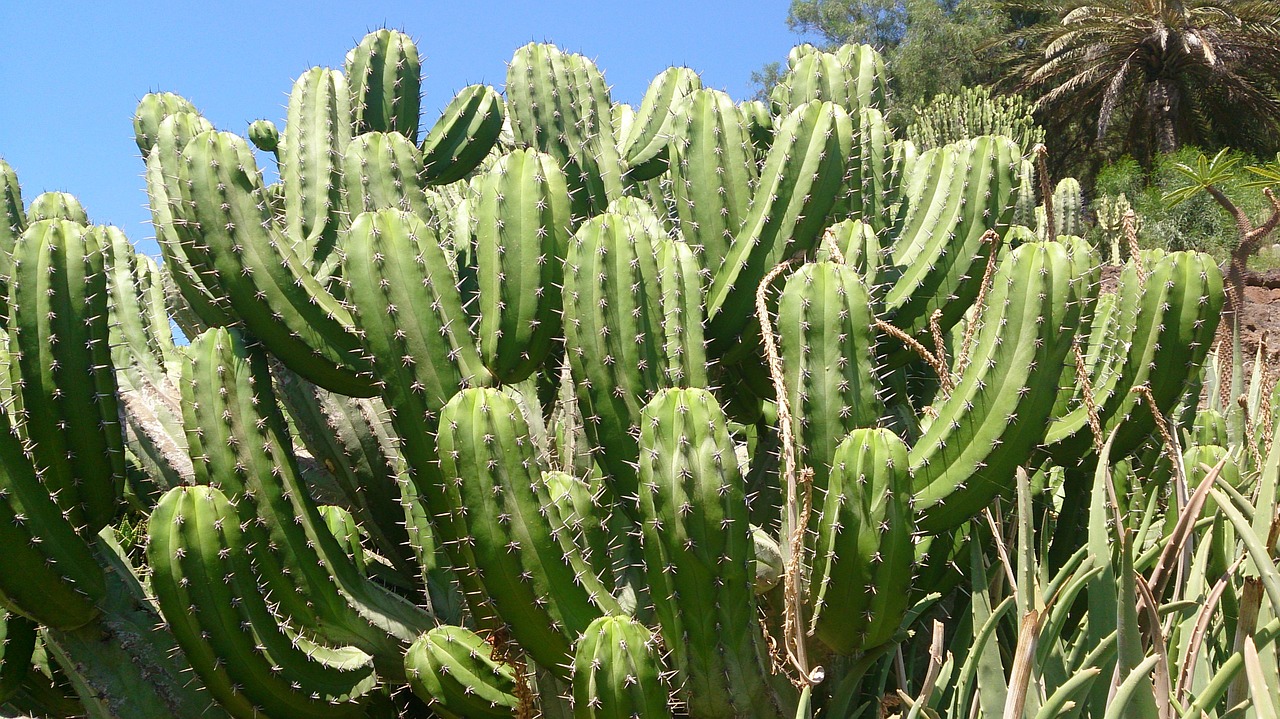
(933, 47)
(1181, 216)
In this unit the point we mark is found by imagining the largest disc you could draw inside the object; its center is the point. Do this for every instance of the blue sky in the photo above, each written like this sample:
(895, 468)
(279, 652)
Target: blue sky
(74, 71)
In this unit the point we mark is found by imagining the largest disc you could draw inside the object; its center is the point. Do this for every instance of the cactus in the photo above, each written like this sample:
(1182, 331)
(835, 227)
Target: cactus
(65, 390)
(827, 347)
(453, 418)
(863, 552)
(800, 182)
(997, 413)
(522, 237)
(644, 148)
(464, 135)
(208, 592)
(385, 80)
(713, 167)
(1068, 207)
(541, 588)
(974, 112)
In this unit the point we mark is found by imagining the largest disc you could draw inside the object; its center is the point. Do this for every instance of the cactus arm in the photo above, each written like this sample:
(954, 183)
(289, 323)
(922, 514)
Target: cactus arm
(455, 671)
(278, 300)
(152, 110)
(383, 171)
(713, 169)
(385, 78)
(412, 323)
(17, 642)
(613, 339)
(169, 202)
(50, 573)
(208, 594)
(246, 450)
(999, 411)
(955, 195)
(827, 347)
(522, 236)
(799, 185)
(617, 672)
(463, 137)
(544, 592)
(558, 103)
(680, 282)
(316, 133)
(13, 221)
(56, 206)
(644, 146)
(66, 393)
(698, 555)
(863, 556)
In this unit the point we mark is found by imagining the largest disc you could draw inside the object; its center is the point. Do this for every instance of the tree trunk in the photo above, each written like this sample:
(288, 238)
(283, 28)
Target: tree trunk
(1163, 108)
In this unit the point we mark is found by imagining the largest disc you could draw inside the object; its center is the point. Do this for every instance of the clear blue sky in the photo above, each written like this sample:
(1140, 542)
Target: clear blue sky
(73, 72)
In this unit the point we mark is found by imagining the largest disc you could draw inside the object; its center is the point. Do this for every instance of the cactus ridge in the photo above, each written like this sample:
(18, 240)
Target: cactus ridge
(17, 643)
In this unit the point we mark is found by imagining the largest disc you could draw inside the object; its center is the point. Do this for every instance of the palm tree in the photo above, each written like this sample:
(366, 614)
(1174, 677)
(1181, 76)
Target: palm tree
(1197, 71)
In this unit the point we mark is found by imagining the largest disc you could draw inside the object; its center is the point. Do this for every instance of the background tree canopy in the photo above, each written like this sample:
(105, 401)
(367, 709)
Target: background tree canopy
(1152, 76)
(934, 46)
(1110, 77)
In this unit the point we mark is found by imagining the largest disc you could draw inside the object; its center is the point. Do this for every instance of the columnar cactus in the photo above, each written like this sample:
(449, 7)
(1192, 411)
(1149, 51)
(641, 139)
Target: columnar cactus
(491, 414)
